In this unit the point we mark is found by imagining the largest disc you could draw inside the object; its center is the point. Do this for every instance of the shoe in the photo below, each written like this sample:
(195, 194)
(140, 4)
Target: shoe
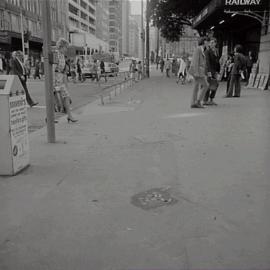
(206, 103)
(55, 121)
(212, 103)
(194, 106)
(226, 96)
(236, 96)
(200, 106)
(72, 120)
(34, 104)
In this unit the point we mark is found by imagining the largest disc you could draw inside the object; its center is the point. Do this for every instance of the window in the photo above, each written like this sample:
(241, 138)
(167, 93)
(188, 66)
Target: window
(73, 9)
(83, 15)
(83, 4)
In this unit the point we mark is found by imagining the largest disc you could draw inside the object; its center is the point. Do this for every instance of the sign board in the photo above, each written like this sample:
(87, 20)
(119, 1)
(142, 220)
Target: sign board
(245, 4)
(257, 81)
(19, 132)
(263, 81)
(251, 80)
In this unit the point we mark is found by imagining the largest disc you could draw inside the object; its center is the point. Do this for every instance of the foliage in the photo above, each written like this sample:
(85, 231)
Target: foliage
(170, 16)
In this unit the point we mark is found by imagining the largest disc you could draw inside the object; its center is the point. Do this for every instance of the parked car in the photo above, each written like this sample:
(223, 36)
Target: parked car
(111, 68)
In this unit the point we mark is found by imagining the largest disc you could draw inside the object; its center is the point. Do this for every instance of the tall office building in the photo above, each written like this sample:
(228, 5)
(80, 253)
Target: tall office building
(115, 14)
(125, 31)
(134, 37)
(82, 16)
(102, 20)
(31, 11)
(138, 19)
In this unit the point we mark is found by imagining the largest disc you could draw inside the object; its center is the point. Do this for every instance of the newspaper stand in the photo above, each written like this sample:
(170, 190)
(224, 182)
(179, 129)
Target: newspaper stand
(14, 141)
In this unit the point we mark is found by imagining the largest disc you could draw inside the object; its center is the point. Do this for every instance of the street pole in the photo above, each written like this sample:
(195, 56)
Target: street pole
(142, 37)
(147, 39)
(22, 32)
(47, 31)
(157, 56)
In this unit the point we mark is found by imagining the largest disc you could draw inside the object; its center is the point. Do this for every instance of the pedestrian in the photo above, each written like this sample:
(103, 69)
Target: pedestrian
(157, 61)
(139, 68)
(237, 70)
(182, 71)
(61, 77)
(198, 71)
(1, 64)
(79, 69)
(228, 68)
(28, 68)
(168, 67)
(162, 63)
(73, 71)
(18, 68)
(250, 61)
(212, 71)
(132, 69)
(95, 71)
(37, 70)
(102, 69)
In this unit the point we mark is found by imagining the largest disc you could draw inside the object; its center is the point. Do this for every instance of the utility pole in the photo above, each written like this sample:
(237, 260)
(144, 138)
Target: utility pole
(147, 38)
(47, 32)
(22, 30)
(142, 37)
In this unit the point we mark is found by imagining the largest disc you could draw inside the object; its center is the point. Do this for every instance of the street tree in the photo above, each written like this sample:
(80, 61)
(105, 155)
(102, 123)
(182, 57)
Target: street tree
(170, 16)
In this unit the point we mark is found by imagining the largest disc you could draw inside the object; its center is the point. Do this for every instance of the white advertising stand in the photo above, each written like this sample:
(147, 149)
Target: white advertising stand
(14, 141)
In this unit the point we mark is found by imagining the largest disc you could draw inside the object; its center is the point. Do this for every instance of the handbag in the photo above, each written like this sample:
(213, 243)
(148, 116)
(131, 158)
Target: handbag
(213, 84)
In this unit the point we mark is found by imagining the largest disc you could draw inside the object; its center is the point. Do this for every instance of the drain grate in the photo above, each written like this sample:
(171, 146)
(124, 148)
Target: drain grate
(152, 199)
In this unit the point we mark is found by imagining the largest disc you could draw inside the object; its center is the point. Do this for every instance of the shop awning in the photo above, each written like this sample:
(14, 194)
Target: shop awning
(215, 13)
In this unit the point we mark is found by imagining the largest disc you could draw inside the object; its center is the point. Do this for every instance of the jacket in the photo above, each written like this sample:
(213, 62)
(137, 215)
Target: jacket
(212, 62)
(240, 64)
(198, 63)
(17, 68)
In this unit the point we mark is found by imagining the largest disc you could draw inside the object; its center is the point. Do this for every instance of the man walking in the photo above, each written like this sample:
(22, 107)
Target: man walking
(238, 67)
(198, 71)
(19, 69)
(212, 70)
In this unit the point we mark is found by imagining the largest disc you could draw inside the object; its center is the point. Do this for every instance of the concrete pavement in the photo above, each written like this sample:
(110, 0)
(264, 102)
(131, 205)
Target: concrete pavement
(72, 208)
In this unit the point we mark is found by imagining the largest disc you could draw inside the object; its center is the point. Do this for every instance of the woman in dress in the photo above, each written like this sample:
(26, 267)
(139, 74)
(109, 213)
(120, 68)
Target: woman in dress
(61, 77)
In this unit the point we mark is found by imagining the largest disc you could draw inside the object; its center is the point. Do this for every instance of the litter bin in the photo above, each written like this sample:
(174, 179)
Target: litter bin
(14, 141)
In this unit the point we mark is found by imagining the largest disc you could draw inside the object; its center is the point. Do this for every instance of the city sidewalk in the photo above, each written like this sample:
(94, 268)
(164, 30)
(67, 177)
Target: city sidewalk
(73, 208)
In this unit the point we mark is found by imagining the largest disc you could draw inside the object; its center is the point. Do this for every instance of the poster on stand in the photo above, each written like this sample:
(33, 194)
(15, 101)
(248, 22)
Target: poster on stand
(19, 132)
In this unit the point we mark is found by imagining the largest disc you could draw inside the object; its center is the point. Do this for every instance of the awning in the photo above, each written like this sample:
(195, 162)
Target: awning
(215, 12)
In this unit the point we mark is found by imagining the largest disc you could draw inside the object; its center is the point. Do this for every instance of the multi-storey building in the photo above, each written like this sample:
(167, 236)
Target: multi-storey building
(115, 14)
(16, 15)
(125, 31)
(82, 15)
(138, 18)
(102, 20)
(134, 34)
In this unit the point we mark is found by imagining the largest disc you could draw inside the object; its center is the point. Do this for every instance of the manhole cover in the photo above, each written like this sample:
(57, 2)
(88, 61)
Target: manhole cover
(152, 199)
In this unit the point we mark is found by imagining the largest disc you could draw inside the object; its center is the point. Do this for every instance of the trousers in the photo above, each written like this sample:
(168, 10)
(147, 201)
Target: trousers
(204, 85)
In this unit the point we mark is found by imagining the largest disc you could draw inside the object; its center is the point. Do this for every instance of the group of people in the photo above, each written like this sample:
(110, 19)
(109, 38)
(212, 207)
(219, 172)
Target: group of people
(178, 67)
(207, 72)
(136, 68)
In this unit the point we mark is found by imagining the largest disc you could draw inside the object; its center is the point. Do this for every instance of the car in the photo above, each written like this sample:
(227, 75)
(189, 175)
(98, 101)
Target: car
(111, 68)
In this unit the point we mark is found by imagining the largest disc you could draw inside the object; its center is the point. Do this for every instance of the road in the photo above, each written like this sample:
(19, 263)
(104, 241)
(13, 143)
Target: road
(81, 94)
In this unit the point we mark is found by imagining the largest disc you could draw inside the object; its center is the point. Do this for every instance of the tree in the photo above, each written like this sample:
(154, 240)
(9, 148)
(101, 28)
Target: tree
(170, 16)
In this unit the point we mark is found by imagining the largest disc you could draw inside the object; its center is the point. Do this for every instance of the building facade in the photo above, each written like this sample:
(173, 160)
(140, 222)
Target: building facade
(234, 22)
(134, 37)
(82, 16)
(16, 15)
(115, 14)
(102, 20)
(125, 28)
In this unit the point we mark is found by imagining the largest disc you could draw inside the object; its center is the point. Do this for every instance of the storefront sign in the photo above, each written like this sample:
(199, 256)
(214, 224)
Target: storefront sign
(240, 4)
(19, 132)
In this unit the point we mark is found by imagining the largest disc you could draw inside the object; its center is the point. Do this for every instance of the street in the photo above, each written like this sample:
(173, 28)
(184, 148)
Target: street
(144, 182)
(81, 94)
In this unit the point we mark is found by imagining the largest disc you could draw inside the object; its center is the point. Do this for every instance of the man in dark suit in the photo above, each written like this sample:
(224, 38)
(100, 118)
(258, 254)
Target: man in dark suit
(238, 68)
(212, 70)
(19, 69)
